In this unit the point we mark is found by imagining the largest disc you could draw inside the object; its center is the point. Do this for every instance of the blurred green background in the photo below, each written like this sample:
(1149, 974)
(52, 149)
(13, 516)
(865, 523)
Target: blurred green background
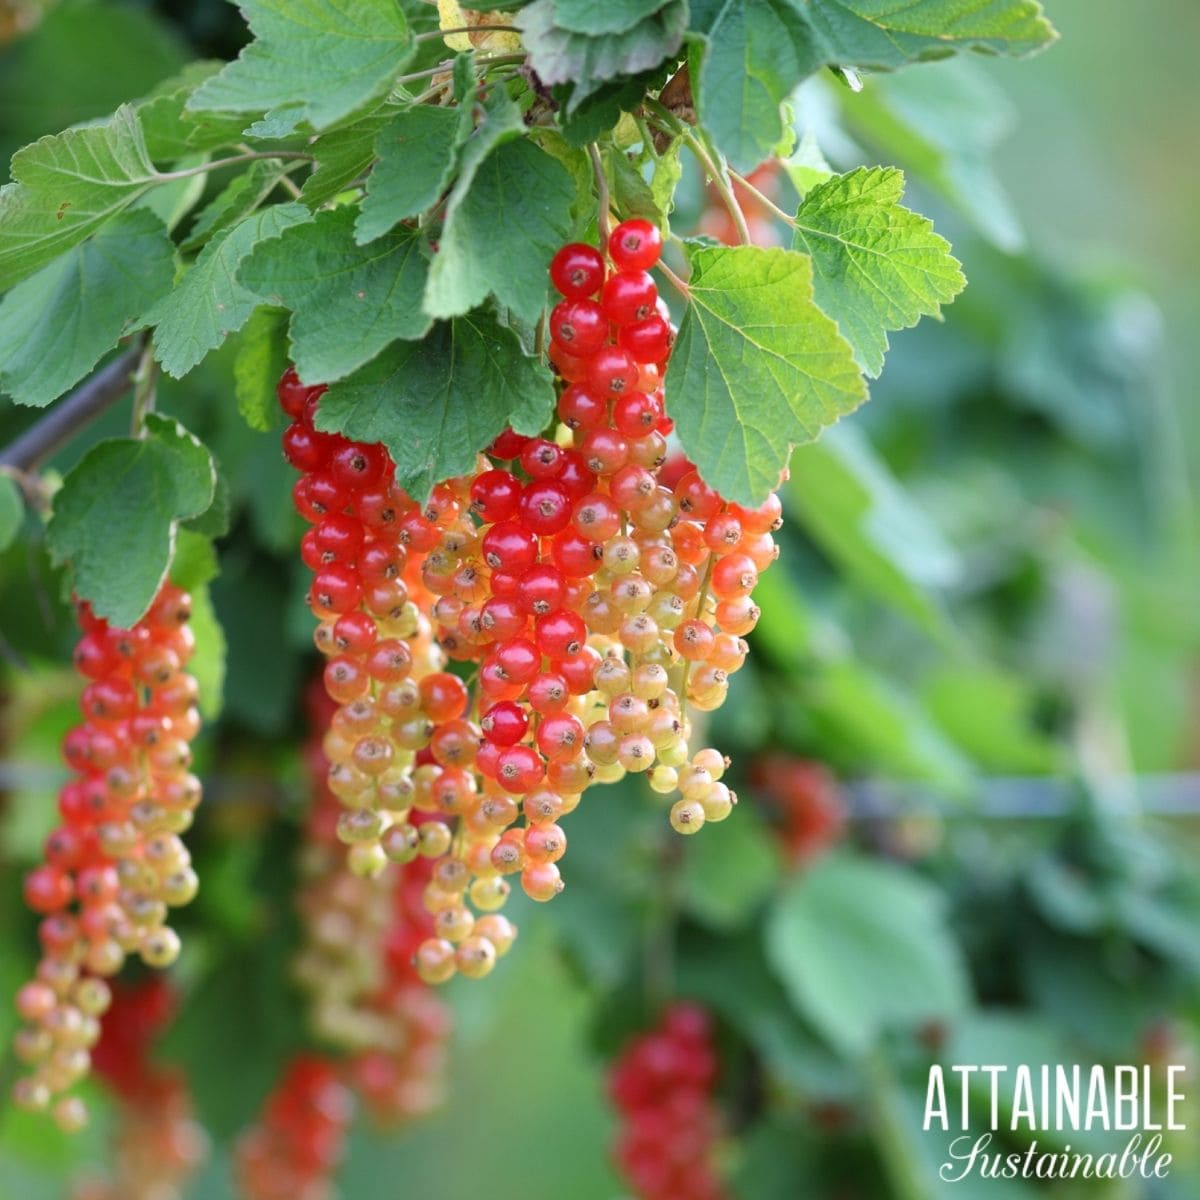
(984, 624)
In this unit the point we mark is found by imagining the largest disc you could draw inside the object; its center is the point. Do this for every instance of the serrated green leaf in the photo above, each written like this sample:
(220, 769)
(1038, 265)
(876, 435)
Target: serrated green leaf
(348, 301)
(260, 360)
(500, 233)
(416, 151)
(560, 55)
(862, 948)
(806, 165)
(319, 60)
(437, 402)
(757, 367)
(237, 199)
(207, 664)
(889, 33)
(171, 130)
(614, 16)
(342, 155)
(665, 177)
(65, 187)
(194, 562)
(209, 302)
(12, 510)
(755, 55)
(56, 325)
(877, 266)
(116, 514)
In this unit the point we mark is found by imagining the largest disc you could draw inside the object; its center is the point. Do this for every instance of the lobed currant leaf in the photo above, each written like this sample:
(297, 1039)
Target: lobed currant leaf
(757, 368)
(437, 402)
(116, 514)
(499, 232)
(261, 359)
(348, 301)
(316, 61)
(56, 325)
(342, 155)
(415, 154)
(172, 130)
(209, 302)
(877, 266)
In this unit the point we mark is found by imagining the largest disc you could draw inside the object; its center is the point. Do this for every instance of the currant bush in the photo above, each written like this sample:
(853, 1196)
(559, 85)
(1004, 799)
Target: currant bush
(116, 864)
(661, 1086)
(593, 606)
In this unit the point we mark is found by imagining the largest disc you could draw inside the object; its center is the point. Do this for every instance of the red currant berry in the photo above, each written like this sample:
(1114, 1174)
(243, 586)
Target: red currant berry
(358, 467)
(597, 517)
(494, 495)
(577, 270)
(545, 507)
(443, 696)
(541, 459)
(560, 634)
(293, 395)
(637, 414)
(304, 449)
(647, 341)
(612, 372)
(580, 327)
(540, 590)
(336, 589)
(509, 546)
(574, 475)
(629, 297)
(502, 617)
(47, 889)
(504, 723)
(581, 408)
(574, 555)
(520, 769)
(697, 500)
(518, 659)
(635, 245)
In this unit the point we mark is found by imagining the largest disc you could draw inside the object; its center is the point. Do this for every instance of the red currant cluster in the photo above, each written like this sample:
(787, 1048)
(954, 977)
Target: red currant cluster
(116, 864)
(592, 603)
(360, 937)
(661, 1085)
(295, 1147)
(158, 1143)
(809, 808)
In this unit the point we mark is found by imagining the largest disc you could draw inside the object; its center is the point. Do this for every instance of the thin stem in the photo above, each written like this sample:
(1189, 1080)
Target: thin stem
(764, 200)
(433, 34)
(144, 392)
(289, 186)
(602, 201)
(720, 179)
(447, 64)
(233, 161)
(539, 336)
(73, 414)
(647, 136)
(678, 284)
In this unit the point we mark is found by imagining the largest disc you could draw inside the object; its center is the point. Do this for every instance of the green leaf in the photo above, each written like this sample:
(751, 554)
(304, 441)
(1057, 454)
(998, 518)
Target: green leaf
(115, 515)
(436, 403)
(560, 55)
(342, 155)
(500, 233)
(889, 33)
(12, 510)
(66, 186)
(614, 16)
(347, 301)
(261, 359)
(56, 325)
(209, 302)
(416, 150)
(755, 54)
(172, 131)
(877, 266)
(728, 874)
(756, 369)
(238, 199)
(630, 191)
(319, 60)
(863, 947)
(858, 513)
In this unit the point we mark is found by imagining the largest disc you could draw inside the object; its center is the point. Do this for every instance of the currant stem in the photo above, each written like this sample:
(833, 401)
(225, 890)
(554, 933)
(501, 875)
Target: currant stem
(232, 161)
(678, 284)
(73, 414)
(145, 376)
(717, 172)
(491, 60)
(602, 201)
(764, 200)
